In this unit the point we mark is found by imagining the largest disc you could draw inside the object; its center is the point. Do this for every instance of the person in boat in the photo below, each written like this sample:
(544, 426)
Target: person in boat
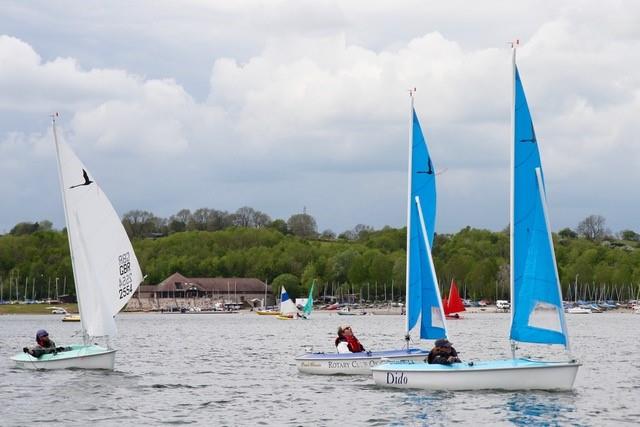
(443, 353)
(44, 345)
(346, 342)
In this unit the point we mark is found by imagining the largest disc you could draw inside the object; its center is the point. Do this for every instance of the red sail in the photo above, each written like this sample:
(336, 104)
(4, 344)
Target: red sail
(455, 304)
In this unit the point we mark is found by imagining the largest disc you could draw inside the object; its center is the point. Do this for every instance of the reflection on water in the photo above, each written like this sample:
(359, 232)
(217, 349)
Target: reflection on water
(541, 408)
(239, 370)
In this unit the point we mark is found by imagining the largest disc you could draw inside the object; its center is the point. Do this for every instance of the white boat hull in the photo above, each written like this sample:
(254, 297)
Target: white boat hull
(578, 310)
(79, 357)
(512, 374)
(353, 363)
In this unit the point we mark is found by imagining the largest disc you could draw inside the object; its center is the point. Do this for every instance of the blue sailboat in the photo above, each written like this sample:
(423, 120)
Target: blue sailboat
(537, 314)
(424, 305)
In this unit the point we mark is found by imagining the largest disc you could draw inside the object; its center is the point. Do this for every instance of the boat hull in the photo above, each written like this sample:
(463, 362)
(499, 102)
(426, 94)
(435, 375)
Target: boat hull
(353, 363)
(79, 357)
(512, 374)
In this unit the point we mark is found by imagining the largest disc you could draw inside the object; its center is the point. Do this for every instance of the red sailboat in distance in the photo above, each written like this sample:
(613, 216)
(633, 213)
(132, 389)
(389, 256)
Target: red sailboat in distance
(453, 305)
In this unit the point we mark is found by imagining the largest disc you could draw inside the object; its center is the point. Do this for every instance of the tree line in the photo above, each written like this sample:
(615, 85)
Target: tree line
(363, 261)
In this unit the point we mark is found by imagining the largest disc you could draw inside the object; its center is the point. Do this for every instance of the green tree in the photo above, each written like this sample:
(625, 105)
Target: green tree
(290, 282)
(302, 225)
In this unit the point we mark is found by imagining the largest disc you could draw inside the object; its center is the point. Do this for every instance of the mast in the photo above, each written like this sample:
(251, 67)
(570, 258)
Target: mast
(514, 46)
(407, 278)
(66, 218)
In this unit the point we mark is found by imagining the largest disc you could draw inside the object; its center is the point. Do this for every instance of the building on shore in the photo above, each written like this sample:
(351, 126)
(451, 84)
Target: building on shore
(178, 292)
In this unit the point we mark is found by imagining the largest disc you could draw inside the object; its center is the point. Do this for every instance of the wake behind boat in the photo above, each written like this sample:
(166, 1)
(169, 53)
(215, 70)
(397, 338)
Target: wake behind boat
(105, 268)
(423, 297)
(537, 314)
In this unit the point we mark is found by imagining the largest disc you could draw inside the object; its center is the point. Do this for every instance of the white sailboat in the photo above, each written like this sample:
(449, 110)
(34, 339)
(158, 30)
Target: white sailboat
(288, 310)
(537, 315)
(423, 297)
(105, 268)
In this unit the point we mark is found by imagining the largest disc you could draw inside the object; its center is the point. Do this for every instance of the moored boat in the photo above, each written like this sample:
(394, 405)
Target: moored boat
(578, 310)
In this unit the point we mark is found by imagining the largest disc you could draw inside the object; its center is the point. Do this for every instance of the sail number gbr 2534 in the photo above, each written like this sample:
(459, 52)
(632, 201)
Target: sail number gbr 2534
(125, 281)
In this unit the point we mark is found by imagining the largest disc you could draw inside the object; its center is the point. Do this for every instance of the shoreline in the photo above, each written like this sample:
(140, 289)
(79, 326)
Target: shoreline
(42, 309)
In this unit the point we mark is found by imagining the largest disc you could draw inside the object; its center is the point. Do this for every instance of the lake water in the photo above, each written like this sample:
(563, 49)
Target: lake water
(238, 369)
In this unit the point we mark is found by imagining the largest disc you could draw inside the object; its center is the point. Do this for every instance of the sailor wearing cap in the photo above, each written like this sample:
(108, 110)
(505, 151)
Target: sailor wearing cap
(443, 353)
(43, 345)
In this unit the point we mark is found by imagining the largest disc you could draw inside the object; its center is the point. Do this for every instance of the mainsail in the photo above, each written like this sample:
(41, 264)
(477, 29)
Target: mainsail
(308, 307)
(537, 314)
(105, 268)
(423, 294)
(454, 303)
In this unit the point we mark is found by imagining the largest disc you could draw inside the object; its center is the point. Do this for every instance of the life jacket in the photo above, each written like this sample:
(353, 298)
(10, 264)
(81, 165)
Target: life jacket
(354, 344)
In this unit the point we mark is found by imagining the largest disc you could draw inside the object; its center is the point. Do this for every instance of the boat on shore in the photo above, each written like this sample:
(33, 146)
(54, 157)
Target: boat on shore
(578, 310)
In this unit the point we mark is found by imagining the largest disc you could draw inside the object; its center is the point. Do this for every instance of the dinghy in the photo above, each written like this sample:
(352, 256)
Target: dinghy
(537, 315)
(105, 268)
(421, 212)
(288, 310)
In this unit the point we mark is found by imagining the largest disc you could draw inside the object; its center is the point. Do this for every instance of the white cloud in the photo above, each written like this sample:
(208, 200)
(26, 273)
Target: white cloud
(312, 108)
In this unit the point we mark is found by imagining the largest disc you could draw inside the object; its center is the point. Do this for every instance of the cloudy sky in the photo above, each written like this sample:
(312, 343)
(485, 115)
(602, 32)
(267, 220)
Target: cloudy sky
(281, 105)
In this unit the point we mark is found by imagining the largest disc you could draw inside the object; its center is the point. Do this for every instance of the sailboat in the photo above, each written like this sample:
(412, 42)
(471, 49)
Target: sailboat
(288, 309)
(423, 295)
(308, 306)
(536, 298)
(453, 305)
(105, 268)
(265, 311)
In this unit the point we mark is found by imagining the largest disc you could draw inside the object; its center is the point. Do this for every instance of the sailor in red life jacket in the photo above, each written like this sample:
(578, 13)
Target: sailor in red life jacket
(347, 342)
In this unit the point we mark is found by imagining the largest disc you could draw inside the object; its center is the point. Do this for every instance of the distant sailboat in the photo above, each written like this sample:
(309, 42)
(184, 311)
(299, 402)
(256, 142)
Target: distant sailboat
(264, 311)
(453, 304)
(105, 268)
(288, 309)
(308, 306)
(537, 315)
(423, 297)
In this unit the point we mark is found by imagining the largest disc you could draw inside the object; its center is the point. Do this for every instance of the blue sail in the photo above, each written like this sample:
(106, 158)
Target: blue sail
(537, 314)
(423, 293)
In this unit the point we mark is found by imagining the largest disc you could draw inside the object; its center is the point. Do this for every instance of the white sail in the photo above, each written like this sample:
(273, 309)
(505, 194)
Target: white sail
(106, 270)
(286, 304)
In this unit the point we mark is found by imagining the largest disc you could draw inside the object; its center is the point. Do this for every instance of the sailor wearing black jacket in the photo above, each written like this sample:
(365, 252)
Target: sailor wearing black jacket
(443, 353)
